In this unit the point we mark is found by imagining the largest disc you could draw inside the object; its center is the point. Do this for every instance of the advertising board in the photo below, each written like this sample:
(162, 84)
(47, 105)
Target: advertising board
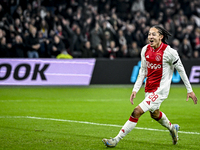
(81, 71)
(46, 71)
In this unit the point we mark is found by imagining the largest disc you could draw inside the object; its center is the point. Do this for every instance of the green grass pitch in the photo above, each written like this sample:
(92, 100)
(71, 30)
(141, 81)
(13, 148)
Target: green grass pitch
(78, 118)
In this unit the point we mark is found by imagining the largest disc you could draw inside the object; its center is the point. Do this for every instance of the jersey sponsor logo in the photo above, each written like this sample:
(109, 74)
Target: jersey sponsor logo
(175, 78)
(147, 56)
(153, 66)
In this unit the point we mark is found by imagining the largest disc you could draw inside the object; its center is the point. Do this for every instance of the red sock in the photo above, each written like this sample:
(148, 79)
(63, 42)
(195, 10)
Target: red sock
(132, 119)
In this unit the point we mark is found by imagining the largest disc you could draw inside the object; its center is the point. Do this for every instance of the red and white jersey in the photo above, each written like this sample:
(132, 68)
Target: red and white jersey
(158, 66)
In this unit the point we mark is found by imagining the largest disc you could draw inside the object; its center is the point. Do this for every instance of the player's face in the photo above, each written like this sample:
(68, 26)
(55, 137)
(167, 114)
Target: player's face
(154, 38)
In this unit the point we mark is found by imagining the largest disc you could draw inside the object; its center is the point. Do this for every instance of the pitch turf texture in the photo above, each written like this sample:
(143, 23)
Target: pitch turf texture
(78, 118)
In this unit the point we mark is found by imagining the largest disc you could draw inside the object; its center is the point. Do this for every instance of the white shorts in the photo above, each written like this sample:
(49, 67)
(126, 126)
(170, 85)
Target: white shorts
(151, 102)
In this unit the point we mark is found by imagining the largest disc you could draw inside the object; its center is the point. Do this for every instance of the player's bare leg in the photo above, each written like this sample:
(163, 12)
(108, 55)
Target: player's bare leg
(163, 120)
(128, 127)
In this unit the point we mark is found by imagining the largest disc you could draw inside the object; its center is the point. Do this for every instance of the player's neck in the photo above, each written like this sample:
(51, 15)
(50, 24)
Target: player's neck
(156, 46)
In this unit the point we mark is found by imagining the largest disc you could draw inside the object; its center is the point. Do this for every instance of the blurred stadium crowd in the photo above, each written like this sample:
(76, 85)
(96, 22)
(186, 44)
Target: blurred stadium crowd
(95, 28)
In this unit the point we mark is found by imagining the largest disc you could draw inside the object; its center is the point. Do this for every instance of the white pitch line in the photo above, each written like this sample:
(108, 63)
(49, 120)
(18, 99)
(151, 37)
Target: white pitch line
(41, 100)
(93, 123)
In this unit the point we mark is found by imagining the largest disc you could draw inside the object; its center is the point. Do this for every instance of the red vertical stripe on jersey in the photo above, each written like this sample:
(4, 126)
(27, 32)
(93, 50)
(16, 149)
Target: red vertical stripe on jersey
(154, 58)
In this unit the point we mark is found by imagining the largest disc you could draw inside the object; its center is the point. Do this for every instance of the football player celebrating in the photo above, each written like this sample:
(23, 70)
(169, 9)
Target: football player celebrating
(158, 61)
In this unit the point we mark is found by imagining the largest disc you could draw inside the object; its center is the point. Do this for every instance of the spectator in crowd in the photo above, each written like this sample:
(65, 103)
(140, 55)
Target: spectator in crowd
(113, 51)
(122, 43)
(107, 28)
(169, 26)
(43, 41)
(64, 55)
(99, 52)
(87, 51)
(196, 54)
(10, 38)
(185, 49)
(68, 14)
(49, 5)
(106, 42)
(19, 47)
(134, 50)
(28, 11)
(57, 46)
(49, 20)
(139, 37)
(188, 33)
(138, 5)
(32, 43)
(18, 12)
(124, 51)
(178, 32)
(70, 35)
(129, 34)
(96, 36)
(115, 22)
(18, 26)
(44, 28)
(78, 42)
(176, 45)
(2, 33)
(62, 34)
(4, 49)
(79, 21)
(121, 11)
(196, 42)
(121, 38)
(10, 33)
(2, 12)
(25, 28)
(78, 17)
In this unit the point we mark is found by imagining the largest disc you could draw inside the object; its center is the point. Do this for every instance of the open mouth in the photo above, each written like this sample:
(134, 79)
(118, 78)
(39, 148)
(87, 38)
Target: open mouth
(151, 42)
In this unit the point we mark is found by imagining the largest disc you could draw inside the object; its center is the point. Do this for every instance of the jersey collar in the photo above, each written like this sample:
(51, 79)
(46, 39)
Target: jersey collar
(157, 49)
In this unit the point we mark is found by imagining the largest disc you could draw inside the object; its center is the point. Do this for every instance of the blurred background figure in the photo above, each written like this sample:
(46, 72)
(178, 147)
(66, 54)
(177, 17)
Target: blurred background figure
(98, 21)
(32, 43)
(196, 43)
(87, 51)
(185, 49)
(19, 47)
(57, 46)
(113, 50)
(4, 48)
(78, 42)
(64, 55)
(134, 50)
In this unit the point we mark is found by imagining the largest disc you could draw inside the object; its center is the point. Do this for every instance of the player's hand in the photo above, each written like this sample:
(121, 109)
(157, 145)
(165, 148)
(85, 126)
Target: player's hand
(133, 95)
(193, 96)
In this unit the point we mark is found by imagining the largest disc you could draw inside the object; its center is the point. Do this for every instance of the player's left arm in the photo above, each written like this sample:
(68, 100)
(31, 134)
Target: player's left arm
(193, 96)
(176, 61)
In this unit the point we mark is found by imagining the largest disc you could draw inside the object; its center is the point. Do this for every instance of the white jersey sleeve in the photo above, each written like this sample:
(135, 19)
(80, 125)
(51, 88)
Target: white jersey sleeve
(176, 62)
(143, 71)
